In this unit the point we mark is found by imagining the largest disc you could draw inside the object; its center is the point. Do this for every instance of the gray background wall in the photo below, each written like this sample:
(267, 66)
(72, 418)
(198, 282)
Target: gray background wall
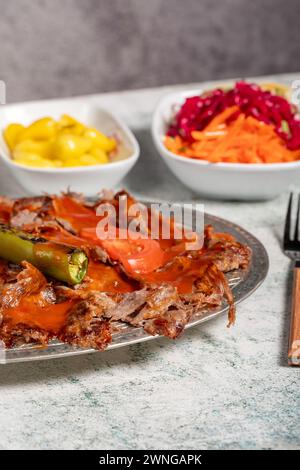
(52, 48)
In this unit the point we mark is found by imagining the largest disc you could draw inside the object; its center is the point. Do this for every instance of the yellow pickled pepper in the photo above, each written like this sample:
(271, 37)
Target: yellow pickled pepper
(11, 134)
(50, 143)
(69, 146)
(42, 129)
(100, 140)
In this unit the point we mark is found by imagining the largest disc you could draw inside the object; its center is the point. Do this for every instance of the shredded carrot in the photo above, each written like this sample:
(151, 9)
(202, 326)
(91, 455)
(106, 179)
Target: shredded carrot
(240, 140)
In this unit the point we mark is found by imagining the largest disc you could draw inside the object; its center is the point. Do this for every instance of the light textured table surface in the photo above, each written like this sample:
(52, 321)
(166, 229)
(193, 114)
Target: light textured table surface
(213, 388)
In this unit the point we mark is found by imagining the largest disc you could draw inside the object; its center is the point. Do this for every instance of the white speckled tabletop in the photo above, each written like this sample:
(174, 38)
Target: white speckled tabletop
(213, 388)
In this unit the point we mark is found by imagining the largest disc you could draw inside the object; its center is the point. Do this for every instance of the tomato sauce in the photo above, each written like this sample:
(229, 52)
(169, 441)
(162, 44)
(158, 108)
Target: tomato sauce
(105, 278)
(29, 312)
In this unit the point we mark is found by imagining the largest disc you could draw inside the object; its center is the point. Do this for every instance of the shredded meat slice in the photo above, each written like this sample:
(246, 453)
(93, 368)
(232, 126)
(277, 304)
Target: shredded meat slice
(150, 308)
(20, 334)
(210, 290)
(170, 323)
(29, 284)
(86, 326)
(226, 252)
(24, 219)
(8, 273)
(158, 301)
(164, 313)
(157, 309)
(29, 212)
(29, 281)
(6, 206)
(38, 204)
(230, 256)
(128, 304)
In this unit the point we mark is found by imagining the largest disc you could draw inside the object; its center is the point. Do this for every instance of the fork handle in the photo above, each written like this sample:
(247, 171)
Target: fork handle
(294, 343)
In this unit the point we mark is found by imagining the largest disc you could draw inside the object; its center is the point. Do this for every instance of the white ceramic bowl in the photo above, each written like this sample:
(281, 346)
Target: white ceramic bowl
(88, 179)
(231, 181)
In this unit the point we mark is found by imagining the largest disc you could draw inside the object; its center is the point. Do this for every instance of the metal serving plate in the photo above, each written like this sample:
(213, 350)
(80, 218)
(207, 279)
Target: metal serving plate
(243, 284)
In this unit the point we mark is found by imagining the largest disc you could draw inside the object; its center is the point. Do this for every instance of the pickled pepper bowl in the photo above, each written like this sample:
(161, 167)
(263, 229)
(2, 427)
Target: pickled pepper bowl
(84, 179)
(226, 181)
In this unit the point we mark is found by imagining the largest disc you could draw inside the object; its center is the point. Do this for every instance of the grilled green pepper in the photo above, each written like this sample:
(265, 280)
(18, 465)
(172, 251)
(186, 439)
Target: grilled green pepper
(58, 261)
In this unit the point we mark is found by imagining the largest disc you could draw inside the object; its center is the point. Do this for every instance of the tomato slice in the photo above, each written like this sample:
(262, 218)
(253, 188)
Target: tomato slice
(139, 256)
